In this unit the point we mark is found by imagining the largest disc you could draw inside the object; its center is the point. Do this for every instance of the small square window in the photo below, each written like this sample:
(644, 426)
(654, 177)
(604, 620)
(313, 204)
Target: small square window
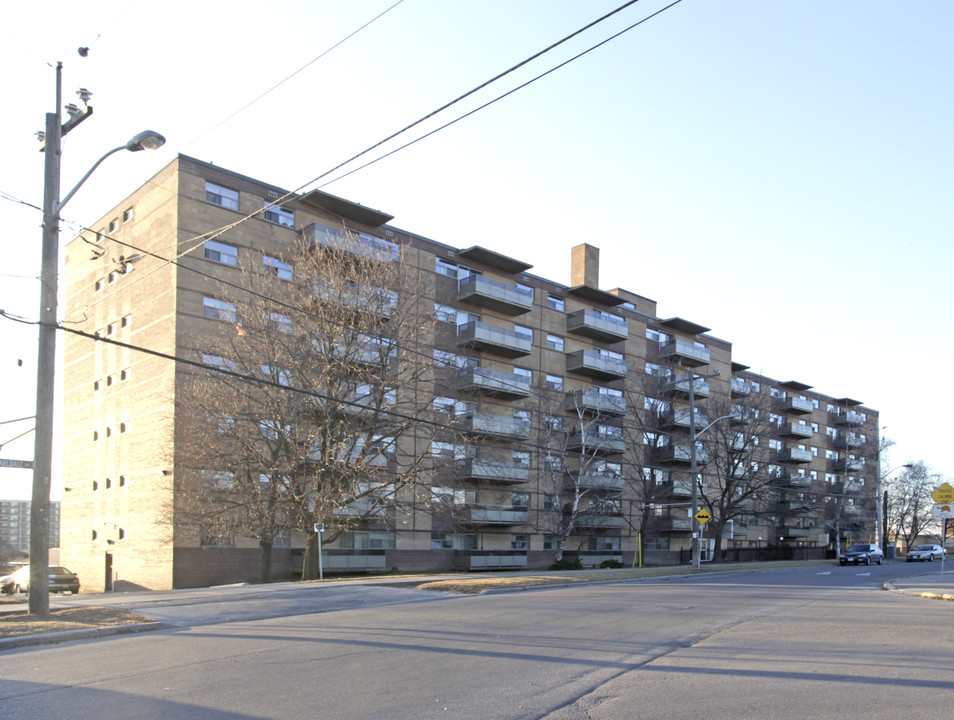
(556, 303)
(111, 328)
(274, 266)
(112, 277)
(126, 321)
(555, 342)
(98, 285)
(114, 225)
(95, 485)
(122, 427)
(127, 215)
(122, 481)
(95, 385)
(109, 483)
(279, 215)
(123, 374)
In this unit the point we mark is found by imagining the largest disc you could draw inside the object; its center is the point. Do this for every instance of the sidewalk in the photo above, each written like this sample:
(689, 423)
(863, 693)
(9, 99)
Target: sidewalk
(935, 586)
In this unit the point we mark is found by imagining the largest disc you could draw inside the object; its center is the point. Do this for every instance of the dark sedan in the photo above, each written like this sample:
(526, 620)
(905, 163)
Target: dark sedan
(863, 554)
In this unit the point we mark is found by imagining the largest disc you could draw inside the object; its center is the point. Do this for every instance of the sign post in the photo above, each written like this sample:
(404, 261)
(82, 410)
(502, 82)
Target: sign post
(320, 528)
(944, 497)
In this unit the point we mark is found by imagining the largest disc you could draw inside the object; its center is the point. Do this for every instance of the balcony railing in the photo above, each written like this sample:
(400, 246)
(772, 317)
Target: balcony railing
(359, 245)
(485, 336)
(600, 443)
(497, 425)
(680, 386)
(595, 402)
(799, 480)
(496, 471)
(848, 464)
(494, 294)
(594, 480)
(687, 353)
(591, 363)
(673, 524)
(597, 520)
(740, 388)
(798, 406)
(680, 454)
(848, 441)
(796, 429)
(848, 418)
(682, 418)
(495, 515)
(493, 382)
(795, 455)
(680, 488)
(591, 324)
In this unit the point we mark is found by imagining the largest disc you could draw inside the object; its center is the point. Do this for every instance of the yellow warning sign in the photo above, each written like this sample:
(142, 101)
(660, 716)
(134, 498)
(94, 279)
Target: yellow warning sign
(944, 494)
(703, 516)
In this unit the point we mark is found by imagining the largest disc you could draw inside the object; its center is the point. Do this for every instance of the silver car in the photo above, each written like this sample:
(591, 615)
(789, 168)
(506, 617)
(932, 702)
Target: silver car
(926, 552)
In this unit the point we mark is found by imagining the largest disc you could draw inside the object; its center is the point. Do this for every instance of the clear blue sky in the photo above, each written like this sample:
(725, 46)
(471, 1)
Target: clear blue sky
(777, 171)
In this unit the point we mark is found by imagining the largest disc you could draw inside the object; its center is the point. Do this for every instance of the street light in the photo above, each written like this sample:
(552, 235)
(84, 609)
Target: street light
(39, 603)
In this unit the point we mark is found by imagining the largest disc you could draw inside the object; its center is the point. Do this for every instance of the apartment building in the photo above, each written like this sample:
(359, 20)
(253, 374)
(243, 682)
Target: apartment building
(15, 527)
(556, 419)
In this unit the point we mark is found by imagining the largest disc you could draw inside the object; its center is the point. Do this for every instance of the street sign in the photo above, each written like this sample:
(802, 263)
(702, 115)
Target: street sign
(943, 510)
(319, 527)
(703, 516)
(944, 495)
(22, 464)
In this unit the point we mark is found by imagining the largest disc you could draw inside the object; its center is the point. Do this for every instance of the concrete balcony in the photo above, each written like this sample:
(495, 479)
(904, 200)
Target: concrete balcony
(598, 520)
(848, 418)
(848, 442)
(680, 386)
(800, 481)
(686, 353)
(593, 401)
(682, 418)
(848, 464)
(609, 441)
(674, 524)
(796, 406)
(360, 245)
(495, 515)
(496, 383)
(495, 471)
(494, 294)
(796, 429)
(852, 510)
(496, 426)
(592, 364)
(680, 455)
(605, 328)
(679, 488)
(594, 480)
(795, 455)
(487, 337)
(740, 388)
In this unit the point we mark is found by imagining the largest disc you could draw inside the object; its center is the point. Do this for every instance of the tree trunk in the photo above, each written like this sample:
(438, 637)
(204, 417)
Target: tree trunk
(309, 570)
(265, 568)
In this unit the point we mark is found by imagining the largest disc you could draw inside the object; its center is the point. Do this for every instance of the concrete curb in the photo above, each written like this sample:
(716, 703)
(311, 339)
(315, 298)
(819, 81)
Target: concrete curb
(918, 593)
(55, 638)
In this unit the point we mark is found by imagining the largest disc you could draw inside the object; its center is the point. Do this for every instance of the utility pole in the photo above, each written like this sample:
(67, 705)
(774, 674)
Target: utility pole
(694, 467)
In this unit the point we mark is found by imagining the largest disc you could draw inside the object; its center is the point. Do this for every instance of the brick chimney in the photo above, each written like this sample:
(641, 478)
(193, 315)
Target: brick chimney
(585, 266)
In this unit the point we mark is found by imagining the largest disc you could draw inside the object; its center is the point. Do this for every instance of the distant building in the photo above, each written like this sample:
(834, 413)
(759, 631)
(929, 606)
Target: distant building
(15, 526)
(511, 338)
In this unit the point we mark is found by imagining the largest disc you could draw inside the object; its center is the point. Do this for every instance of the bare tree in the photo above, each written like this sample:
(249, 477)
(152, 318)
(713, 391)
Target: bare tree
(325, 376)
(580, 468)
(910, 505)
(742, 476)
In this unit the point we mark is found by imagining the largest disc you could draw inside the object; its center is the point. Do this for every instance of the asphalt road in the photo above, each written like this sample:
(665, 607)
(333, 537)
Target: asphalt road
(811, 641)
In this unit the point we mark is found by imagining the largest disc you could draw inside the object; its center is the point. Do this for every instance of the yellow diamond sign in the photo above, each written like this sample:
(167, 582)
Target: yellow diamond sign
(944, 494)
(703, 516)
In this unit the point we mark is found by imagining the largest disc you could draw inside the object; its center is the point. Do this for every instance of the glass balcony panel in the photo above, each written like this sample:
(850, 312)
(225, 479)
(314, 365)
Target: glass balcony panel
(494, 294)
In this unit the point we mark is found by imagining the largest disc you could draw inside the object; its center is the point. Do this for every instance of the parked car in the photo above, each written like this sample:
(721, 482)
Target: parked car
(926, 552)
(862, 554)
(60, 579)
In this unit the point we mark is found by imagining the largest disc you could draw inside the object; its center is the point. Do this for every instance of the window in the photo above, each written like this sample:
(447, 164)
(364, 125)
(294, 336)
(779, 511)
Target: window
(274, 266)
(554, 423)
(520, 499)
(521, 458)
(127, 215)
(218, 309)
(555, 342)
(519, 542)
(112, 277)
(111, 328)
(554, 302)
(522, 330)
(550, 541)
(126, 321)
(218, 195)
(554, 382)
(213, 538)
(109, 483)
(221, 253)
(279, 215)
(279, 322)
(122, 428)
(521, 372)
(444, 313)
(98, 285)
(524, 289)
(443, 267)
(114, 225)
(122, 481)
(277, 374)
(219, 362)
(95, 385)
